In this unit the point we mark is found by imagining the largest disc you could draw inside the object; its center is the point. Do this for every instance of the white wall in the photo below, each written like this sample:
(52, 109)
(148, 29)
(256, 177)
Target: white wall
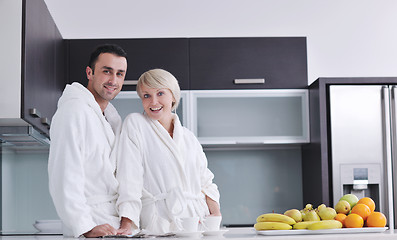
(346, 38)
(10, 58)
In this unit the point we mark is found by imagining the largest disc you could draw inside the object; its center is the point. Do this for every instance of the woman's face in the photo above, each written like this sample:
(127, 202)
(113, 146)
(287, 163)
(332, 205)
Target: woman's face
(157, 103)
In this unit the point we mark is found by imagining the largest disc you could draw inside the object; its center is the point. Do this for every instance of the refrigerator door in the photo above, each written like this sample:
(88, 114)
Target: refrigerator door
(393, 107)
(360, 142)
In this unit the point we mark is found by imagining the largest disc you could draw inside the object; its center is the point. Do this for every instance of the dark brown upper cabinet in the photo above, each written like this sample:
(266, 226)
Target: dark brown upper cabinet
(43, 65)
(170, 54)
(237, 63)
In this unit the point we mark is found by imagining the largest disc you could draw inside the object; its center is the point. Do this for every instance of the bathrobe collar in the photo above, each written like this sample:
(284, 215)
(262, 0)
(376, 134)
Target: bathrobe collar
(175, 144)
(111, 123)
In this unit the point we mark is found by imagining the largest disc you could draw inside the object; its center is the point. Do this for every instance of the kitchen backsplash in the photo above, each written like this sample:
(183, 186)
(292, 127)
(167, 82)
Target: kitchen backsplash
(251, 182)
(25, 194)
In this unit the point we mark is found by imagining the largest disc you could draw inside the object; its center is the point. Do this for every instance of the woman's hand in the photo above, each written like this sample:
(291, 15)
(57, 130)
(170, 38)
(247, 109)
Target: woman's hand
(213, 206)
(100, 230)
(126, 226)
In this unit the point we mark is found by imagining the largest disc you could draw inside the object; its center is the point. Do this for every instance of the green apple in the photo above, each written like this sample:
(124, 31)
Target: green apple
(350, 198)
(342, 206)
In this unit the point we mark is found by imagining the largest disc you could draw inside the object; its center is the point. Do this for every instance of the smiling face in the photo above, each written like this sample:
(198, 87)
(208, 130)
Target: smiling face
(157, 103)
(107, 78)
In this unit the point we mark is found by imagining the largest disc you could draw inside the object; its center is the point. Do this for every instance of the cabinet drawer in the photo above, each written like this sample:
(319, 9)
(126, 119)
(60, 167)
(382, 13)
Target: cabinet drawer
(250, 116)
(170, 54)
(216, 63)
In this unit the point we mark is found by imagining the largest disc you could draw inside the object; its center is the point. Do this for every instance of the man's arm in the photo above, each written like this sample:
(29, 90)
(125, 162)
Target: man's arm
(66, 170)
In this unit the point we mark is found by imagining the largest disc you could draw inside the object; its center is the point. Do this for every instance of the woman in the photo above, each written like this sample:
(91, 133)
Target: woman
(162, 169)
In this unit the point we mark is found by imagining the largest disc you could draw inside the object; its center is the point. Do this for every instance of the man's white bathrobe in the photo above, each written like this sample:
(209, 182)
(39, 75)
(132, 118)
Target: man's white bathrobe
(167, 178)
(82, 182)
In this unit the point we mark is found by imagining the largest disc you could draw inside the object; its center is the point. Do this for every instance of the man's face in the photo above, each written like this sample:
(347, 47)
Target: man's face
(106, 80)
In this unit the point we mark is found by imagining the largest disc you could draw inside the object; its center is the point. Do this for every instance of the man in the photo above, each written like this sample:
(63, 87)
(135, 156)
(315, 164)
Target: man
(83, 131)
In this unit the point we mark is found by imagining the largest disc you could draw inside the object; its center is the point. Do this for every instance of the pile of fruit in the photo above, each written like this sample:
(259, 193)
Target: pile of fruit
(349, 212)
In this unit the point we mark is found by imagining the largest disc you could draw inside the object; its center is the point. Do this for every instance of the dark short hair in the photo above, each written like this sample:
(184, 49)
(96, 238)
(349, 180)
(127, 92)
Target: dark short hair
(106, 48)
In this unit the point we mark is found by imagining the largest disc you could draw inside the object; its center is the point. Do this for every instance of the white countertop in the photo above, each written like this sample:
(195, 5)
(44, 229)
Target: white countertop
(241, 234)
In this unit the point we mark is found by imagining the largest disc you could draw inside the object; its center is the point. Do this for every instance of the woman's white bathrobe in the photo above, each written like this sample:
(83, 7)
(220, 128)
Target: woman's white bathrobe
(167, 178)
(81, 175)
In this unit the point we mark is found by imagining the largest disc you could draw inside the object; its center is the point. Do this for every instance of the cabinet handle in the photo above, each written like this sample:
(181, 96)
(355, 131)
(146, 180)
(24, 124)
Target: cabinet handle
(250, 81)
(130, 82)
(34, 113)
(45, 121)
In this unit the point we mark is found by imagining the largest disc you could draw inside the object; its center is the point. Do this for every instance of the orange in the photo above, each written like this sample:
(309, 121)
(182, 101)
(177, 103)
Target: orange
(369, 202)
(361, 209)
(354, 221)
(341, 218)
(376, 219)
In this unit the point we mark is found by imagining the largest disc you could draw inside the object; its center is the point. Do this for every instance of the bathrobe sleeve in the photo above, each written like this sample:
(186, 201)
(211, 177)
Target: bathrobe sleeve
(129, 171)
(206, 176)
(66, 171)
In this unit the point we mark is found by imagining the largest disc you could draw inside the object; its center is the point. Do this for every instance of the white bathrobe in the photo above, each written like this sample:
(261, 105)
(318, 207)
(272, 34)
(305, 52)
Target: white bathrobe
(81, 175)
(167, 178)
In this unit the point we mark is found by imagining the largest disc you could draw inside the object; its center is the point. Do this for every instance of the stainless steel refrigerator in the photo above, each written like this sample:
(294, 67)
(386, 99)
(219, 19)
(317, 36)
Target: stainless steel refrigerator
(363, 143)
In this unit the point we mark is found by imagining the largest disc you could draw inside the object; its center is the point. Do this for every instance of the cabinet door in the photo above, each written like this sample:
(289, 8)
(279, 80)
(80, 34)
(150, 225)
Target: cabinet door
(215, 63)
(143, 55)
(40, 43)
(250, 116)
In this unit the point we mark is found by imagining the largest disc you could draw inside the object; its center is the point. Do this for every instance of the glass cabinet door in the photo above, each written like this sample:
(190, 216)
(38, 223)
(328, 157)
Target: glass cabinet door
(250, 116)
(128, 102)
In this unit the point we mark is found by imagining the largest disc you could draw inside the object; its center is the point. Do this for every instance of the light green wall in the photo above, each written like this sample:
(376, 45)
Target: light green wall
(25, 194)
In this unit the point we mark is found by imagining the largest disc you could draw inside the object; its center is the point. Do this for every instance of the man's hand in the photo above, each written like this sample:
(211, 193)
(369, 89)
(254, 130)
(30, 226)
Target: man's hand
(126, 226)
(101, 230)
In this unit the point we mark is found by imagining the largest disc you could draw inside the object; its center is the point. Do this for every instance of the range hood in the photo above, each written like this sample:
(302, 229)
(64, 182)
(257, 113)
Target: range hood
(22, 136)
(24, 117)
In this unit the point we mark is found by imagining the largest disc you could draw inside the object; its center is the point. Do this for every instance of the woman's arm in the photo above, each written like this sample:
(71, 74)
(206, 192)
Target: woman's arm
(213, 207)
(126, 226)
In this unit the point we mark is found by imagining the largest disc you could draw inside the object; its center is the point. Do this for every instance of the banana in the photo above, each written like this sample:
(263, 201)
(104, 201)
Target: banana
(275, 217)
(303, 225)
(325, 224)
(272, 226)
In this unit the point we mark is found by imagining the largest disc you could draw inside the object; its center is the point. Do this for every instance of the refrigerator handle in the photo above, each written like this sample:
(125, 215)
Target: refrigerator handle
(387, 114)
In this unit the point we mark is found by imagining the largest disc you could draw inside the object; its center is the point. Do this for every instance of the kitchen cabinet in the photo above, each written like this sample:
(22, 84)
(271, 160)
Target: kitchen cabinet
(233, 63)
(237, 117)
(43, 73)
(33, 53)
(170, 54)
(250, 116)
(206, 63)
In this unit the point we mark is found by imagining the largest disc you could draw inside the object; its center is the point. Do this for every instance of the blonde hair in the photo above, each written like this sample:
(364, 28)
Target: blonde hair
(159, 78)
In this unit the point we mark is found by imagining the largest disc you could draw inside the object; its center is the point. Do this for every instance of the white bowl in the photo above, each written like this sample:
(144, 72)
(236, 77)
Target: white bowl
(48, 226)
